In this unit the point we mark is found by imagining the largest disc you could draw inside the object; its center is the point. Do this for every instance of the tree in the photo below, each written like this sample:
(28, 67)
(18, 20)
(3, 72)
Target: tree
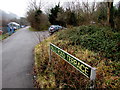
(62, 17)
(35, 16)
(101, 12)
(117, 16)
(53, 14)
(23, 21)
(110, 13)
(72, 19)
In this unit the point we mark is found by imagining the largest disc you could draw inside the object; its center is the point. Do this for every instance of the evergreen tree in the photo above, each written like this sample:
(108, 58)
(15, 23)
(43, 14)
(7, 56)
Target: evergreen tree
(53, 15)
(73, 19)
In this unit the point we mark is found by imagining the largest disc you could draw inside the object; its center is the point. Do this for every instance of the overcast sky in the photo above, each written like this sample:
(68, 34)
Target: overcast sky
(19, 7)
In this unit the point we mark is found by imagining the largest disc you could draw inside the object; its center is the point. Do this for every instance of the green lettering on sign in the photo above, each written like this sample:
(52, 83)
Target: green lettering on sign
(78, 64)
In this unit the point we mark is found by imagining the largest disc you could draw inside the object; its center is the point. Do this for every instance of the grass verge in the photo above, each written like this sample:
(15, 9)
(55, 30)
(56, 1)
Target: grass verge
(96, 46)
(3, 36)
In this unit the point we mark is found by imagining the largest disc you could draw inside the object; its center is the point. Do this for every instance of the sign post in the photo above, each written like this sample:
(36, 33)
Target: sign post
(85, 69)
(49, 54)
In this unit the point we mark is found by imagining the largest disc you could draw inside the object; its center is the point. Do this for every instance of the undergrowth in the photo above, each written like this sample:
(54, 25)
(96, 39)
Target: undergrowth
(96, 46)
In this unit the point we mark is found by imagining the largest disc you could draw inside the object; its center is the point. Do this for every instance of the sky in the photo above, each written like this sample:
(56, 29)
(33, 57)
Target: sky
(19, 7)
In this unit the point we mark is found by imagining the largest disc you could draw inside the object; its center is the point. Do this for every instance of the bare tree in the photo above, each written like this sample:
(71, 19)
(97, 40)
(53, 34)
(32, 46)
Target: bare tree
(35, 15)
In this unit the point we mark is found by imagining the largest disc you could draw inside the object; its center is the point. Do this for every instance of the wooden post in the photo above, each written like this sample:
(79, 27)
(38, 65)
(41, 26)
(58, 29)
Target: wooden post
(49, 54)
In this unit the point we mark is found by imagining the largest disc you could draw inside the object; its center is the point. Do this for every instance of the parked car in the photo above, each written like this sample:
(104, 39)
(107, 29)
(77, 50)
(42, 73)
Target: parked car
(54, 28)
(22, 26)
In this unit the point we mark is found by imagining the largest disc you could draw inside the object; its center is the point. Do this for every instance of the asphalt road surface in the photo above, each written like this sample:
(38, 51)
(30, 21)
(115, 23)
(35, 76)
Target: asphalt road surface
(18, 59)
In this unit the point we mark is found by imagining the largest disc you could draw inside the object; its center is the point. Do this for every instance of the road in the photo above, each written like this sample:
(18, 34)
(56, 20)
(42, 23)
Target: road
(18, 59)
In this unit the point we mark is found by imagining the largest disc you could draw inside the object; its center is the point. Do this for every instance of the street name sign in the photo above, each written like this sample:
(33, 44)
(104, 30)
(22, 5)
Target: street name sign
(85, 69)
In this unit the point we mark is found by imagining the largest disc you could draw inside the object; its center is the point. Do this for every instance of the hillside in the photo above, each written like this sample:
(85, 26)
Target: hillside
(96, 46)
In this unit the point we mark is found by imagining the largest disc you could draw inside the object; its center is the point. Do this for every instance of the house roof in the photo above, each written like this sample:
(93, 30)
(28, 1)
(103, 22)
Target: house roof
(14, 23)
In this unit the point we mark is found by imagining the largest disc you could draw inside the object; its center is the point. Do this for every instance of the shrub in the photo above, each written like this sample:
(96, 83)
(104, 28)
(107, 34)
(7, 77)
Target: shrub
(97, 39)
